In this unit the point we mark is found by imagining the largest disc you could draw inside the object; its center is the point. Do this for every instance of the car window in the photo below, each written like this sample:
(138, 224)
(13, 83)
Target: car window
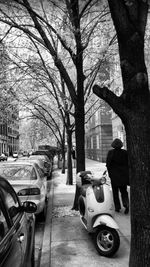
(21, 172)
(40, 172)
(11, 204)
(33, 174)
(14, 172)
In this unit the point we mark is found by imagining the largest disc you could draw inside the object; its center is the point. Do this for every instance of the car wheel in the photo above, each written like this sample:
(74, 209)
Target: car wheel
(107, 241)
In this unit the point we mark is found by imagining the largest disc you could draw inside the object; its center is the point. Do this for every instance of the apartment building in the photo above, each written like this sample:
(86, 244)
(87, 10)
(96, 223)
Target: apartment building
(98, 134)
(9, 137)
(9, 123)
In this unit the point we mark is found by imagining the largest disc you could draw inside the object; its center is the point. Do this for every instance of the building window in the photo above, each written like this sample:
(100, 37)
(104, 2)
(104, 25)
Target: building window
(97, 142)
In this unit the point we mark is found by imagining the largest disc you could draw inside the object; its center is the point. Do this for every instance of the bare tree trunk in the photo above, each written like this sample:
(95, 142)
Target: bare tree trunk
(63, 161)
(79, 133)
(138, 143)
(69, 158)
(133, 107)
(63, 149)
(79, 106)
(79, 150)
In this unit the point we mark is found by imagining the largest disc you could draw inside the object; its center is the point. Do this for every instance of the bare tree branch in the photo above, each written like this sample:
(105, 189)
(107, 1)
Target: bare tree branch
(115, 102)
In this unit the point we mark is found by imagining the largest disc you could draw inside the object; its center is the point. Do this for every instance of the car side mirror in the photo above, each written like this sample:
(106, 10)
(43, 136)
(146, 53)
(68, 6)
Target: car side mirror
(29, 207)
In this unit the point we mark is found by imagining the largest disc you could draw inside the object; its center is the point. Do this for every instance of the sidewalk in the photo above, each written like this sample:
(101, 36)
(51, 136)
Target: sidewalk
(66, 243)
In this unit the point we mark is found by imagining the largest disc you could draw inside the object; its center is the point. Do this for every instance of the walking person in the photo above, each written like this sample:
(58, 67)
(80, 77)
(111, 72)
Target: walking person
(117, 166)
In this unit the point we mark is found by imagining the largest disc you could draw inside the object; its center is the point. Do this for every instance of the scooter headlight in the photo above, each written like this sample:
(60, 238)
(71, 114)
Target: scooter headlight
(103, 180)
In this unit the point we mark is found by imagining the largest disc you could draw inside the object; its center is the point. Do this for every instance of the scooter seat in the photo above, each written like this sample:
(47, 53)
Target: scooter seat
(84, 173)
(83, 189)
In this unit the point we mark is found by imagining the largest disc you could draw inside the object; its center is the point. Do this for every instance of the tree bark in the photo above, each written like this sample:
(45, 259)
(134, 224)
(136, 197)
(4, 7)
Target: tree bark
(133, 107)
(79, 132)
(79, 105)
(138, 142)
(63, 160)
(63, 152)
(69, 158)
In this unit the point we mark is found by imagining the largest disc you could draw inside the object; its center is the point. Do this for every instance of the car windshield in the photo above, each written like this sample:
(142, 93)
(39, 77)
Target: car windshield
(15, 172)
(43, 157)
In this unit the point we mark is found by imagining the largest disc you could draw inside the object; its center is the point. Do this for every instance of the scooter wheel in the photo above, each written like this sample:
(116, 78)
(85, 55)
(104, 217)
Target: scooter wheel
(107, 241)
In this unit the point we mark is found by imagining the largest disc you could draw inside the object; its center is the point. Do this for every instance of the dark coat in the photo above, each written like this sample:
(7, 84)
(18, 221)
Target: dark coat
(117, 166)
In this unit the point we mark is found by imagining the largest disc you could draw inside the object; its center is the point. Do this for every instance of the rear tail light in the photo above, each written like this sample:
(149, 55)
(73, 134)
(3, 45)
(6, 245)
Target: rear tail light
(29, 191)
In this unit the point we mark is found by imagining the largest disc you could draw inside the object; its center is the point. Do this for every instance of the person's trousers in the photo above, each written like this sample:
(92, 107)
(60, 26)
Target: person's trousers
(124, 196)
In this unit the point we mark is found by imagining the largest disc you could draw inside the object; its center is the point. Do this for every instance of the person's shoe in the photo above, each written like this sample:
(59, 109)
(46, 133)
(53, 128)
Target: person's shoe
(126, 210)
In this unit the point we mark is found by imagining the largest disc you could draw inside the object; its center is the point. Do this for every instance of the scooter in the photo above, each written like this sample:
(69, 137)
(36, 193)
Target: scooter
(96, 209)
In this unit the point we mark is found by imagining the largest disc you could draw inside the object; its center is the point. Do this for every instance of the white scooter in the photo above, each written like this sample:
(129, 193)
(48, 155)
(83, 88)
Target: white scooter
(96, 209)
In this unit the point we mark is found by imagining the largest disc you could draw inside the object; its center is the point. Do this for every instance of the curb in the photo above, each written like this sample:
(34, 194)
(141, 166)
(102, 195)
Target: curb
(45, 260)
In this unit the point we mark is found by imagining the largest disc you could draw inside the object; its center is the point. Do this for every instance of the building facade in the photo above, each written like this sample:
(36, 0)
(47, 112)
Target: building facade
(3, 138)
(98, 134)
(13, 134)
(9, 138)
(9, 114)
(116, 86)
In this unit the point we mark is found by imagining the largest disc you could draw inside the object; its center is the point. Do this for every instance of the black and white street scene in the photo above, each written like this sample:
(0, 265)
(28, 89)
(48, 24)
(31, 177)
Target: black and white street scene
(74, 133)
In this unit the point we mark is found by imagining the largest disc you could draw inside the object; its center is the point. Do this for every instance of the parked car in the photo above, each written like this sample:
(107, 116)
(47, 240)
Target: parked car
(43, 152)
(28, 181)
(3, 157)
(15, 154)
(38, 161)
(17, 228)
(47, 163)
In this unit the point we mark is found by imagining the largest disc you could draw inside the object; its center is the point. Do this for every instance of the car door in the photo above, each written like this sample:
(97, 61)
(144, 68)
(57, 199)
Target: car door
(14, 244)
(43, 178)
